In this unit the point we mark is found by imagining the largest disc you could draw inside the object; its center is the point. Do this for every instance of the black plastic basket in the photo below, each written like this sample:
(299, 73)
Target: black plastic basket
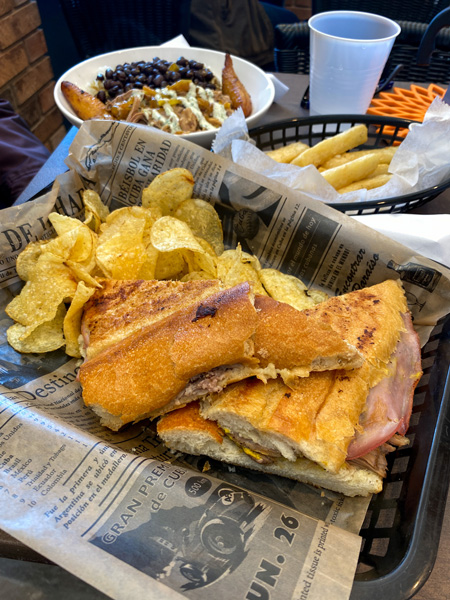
(314, 129)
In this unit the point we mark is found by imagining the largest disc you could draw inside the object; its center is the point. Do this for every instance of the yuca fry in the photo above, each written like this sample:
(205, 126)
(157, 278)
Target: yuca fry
(286, 154)
(366, 184)
(355, 170)
(338, 144)
(385, 156)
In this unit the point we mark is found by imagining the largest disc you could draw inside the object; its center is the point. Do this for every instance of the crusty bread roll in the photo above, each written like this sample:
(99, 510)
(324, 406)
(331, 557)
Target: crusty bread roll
(142, 364)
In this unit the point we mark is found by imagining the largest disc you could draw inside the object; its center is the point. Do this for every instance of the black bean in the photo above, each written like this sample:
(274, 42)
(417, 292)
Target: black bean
(138, 84)
(100, 77)
(101, 95)
(108, 73)
(128, 86)
(182, 61)
(109, 83)
(189, 74)
(164, 84)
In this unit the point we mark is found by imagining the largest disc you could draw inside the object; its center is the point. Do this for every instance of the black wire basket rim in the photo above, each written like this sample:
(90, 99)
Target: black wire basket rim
(428, 193)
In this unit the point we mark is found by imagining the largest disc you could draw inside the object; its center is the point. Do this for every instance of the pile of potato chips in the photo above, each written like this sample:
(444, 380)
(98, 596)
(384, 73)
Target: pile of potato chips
(171, 236)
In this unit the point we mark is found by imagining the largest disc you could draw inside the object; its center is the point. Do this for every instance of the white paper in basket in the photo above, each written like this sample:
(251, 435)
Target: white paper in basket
(421, 161)
(428, 235)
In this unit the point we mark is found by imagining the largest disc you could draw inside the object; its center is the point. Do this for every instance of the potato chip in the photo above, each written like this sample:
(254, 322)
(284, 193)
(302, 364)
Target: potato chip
(75, 241)
(150, 215)
(63, 224)
(121, 251)
(235, 266)
(94, 205)
(201, 261)
(170, 265)
(203, 221)
(46, 337)
(82, 274)
(72, 319)
(27, 259)
(148, 268)
(285, 288)
(318, 296)
(168, 190)
(194, 275)
(50, 283)
(170, 234)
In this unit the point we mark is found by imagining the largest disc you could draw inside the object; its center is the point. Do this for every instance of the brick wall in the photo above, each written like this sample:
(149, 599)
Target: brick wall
(302, 8)
(26, 75)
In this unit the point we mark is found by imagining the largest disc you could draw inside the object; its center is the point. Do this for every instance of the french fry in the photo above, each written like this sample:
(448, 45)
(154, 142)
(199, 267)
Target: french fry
(338, 144)
(385, 156)
(85, 105)
(367, 184)
(286, 154)
(357, 169)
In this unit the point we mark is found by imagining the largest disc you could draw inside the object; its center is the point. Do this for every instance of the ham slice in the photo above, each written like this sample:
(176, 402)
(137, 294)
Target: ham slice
(389, 404)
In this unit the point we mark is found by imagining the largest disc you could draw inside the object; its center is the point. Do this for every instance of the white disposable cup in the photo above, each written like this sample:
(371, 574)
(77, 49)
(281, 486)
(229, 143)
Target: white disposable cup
(348, 51)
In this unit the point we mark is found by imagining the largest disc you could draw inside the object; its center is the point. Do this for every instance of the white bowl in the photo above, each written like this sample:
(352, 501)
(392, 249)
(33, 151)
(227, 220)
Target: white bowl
(257, 83)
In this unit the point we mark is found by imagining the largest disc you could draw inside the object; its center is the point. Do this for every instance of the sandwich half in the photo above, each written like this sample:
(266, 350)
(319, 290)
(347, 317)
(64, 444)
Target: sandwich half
(153, 346)
(343, 422)
(185, 430)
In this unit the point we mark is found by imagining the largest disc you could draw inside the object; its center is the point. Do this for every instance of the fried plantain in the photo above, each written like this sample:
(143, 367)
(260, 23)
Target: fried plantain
(232, 87)
(85, 105)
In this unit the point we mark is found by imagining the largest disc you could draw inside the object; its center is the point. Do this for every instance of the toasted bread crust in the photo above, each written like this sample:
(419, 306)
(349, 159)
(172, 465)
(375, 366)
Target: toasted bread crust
(370, 319)
(316, 420)
(188, 418)
(289, 338)
(122, 307)
(137, 376)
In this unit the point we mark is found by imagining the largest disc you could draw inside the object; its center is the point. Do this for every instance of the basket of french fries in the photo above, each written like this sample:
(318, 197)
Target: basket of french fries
(352, 152)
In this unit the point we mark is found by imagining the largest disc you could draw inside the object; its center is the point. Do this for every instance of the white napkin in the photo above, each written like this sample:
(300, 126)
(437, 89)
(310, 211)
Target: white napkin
(428, 235)
(177, 42)
(280, 88)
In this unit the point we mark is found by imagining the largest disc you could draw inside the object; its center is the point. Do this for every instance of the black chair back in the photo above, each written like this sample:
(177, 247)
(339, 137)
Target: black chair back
(99, 26)
(418, 11)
